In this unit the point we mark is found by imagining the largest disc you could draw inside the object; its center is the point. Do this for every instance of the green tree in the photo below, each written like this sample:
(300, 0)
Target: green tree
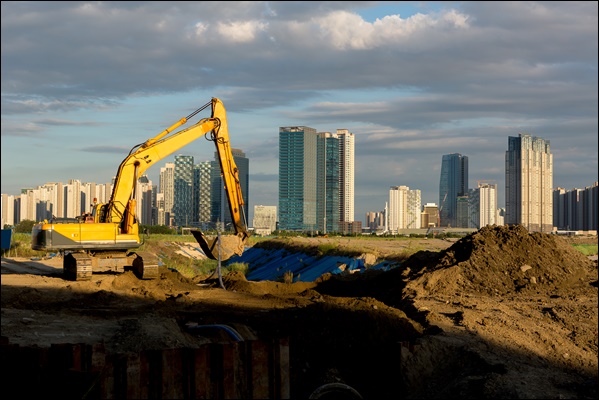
(24, 226)
(156, 229)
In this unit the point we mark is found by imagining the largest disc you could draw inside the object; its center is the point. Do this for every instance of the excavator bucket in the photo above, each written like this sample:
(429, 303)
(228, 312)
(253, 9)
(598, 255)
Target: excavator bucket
(221, 247)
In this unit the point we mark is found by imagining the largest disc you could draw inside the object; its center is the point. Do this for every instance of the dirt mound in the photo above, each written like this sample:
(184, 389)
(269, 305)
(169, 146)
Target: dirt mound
(500, 260)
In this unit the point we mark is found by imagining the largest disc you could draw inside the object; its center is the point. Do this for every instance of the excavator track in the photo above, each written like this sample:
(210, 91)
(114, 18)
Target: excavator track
(145, 265)
(77, 267)
(80, 266)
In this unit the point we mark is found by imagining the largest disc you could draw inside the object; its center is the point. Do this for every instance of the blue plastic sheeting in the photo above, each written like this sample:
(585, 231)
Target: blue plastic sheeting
(385, 265)
(6, 238)
(271, 265)
(329, 264)
(274, 266)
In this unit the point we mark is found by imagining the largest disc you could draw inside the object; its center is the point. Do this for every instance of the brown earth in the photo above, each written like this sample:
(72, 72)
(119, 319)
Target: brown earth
(502, 313)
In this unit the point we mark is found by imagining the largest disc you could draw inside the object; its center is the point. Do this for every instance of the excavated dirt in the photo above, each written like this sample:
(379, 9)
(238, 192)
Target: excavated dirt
(502, 313)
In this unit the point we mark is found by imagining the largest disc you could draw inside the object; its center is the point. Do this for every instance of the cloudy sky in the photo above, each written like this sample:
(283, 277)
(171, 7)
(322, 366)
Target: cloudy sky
(84, 82)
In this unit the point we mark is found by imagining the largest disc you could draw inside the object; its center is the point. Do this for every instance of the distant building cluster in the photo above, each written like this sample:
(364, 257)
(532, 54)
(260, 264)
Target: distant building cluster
(530, 198)
(188, 194)
(316, 193)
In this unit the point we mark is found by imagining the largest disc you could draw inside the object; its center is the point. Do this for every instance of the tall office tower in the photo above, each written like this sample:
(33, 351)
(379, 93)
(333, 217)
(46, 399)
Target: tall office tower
(453, 183)
(220, 211)
(154, 218)
(243, 166)
(529, 183)
(482, 205)
(216, 183)
(346, 174)
(201, 193)
(297, 178)
(328, 180)
(462, 212)
(183, 196)
(144, 200)
(167, 188)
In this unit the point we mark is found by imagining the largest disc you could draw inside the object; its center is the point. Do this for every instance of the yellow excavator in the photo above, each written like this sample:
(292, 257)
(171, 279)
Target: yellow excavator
(103, 240)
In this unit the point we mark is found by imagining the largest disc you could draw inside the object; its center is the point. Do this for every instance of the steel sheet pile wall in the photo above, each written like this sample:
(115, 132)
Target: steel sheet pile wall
(239, 370)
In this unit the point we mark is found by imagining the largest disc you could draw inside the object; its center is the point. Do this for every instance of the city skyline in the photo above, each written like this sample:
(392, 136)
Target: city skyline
(160, 190)
(412, 80)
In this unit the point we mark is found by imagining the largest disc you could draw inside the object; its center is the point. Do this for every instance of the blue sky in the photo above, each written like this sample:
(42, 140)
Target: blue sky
(84, 82)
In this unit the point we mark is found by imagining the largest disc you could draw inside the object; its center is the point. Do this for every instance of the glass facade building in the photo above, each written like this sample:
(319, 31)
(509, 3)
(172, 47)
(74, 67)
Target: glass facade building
(297, 178)
(183, 210)
(452, 184)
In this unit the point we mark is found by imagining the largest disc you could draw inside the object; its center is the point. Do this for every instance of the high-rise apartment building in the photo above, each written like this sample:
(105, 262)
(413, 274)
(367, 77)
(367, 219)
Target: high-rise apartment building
(328, 182)
(453, 183)
(183, 193)
(160, 214)
(482, 205)
(167, 188)
(201, 193)
(72, 198)
(404, 208)
(346, 174)
(576, 209)
(529, 183)
(297, 178)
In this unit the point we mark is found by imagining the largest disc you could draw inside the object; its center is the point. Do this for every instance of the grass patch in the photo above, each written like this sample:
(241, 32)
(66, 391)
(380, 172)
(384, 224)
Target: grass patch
(586, 249)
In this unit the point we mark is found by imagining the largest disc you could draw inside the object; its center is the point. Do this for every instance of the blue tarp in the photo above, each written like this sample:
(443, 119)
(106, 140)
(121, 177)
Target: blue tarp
(271, 265)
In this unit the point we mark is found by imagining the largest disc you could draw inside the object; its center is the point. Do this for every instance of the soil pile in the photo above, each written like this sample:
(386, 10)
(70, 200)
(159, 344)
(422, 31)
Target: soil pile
(499, 261)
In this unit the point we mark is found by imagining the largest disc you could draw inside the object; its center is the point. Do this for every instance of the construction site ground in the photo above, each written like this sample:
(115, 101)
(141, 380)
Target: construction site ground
(499, 314)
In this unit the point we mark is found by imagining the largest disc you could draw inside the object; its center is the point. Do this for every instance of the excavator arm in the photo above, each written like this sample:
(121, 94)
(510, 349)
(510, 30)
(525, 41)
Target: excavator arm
(143, 156)
(121, 207)
(224, 247)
